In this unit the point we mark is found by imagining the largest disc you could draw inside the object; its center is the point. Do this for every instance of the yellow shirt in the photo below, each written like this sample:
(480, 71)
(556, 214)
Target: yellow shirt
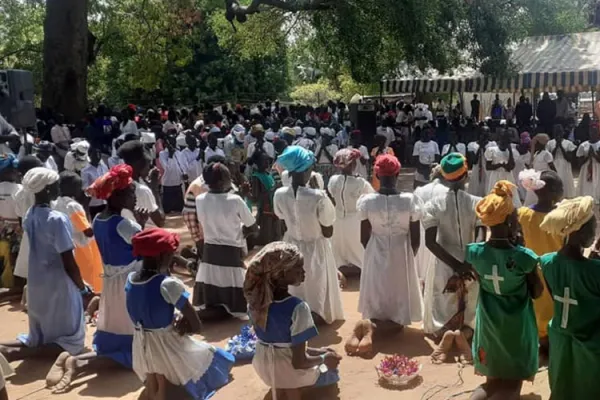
(541, 243)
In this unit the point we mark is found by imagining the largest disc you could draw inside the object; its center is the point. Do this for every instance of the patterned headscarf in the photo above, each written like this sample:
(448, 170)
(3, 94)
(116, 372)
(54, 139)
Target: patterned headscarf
(345, 157)
(493, 209)
(569, 216)
(266, 268)
(531, 180)
(118, 178)
(387, 165)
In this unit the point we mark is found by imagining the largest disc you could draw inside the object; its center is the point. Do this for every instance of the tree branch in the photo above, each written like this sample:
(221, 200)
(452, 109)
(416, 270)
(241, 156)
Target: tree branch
(236, 11)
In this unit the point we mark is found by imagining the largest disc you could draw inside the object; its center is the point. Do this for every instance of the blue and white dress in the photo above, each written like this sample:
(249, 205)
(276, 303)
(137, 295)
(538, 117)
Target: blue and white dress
(159, 349)
(114, 335)
(55, 308)
(289, 323)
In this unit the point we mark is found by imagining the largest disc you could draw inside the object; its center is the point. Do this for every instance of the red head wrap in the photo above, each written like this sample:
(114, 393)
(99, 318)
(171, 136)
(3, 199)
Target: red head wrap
(355, 132)
(387, 165)
(154, 242)
(118, 178)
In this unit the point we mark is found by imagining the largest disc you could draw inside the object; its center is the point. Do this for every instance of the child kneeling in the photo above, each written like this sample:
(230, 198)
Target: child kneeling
(284, 324)
(162, 350)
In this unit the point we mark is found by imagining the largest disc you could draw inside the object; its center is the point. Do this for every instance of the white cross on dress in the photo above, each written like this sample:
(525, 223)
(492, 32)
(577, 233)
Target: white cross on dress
(496, 278)
(567, 303)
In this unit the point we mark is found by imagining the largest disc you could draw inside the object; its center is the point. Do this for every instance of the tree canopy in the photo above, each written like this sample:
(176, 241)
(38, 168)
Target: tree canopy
(191, 51)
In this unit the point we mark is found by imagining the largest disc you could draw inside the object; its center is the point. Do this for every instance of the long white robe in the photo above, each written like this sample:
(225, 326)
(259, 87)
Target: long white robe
(425, 258)
(497, 156)
(478, 184)
(589, 185)
(454, 216)
(346, 190)
(304, 213)
(564, 169)
(389, 284)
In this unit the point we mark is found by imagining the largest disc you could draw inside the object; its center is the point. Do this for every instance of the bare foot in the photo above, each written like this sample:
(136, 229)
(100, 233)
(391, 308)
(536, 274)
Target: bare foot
(57, 371)
(67, 377)
(342, 280)
(365, 347)
(441, 353)
(466, 354)
(351, 346)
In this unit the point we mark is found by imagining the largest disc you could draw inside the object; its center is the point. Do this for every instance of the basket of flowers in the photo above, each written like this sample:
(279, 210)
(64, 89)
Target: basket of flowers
(243, 346)
(398, 370)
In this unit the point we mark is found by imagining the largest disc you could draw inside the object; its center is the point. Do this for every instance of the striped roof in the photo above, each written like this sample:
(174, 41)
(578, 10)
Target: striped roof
(549, 63)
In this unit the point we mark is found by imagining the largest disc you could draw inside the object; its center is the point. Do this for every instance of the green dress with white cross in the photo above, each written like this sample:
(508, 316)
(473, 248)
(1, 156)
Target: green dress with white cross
(574, 332)
(505, 341)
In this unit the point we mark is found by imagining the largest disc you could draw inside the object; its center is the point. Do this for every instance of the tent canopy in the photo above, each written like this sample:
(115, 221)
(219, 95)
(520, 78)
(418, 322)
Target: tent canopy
(548, 63)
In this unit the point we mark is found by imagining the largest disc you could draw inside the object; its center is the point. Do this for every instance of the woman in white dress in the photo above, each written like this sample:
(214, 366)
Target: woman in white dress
(500, 162)
(588, 156)
(309, 216)
(541, 160)
(454, 146)
(425, 153)
(521, 163)
(476, 151)
(345, 190)
(563, 151)
(390, 294)
(437, 187)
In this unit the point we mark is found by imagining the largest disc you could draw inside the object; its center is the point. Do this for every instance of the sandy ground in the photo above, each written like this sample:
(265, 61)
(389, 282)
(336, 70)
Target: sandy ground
(358, 376)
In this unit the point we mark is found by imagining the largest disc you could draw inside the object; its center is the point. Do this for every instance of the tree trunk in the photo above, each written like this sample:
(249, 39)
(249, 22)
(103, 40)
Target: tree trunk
(65, 58)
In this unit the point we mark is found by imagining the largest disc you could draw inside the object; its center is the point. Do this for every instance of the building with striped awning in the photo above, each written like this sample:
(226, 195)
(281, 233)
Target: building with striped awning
(545, 63)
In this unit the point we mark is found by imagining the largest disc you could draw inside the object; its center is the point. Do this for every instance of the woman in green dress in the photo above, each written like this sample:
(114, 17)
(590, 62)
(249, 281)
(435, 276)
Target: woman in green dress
(505, 342)
(574, 283)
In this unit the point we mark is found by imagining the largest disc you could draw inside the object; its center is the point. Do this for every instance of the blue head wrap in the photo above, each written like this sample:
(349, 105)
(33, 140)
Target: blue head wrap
(8, 160)
(296, 159)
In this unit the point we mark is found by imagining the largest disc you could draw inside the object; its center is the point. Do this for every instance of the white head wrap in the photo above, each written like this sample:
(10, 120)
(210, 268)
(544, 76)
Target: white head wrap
(310, 131)
(269, 135)
(530, 180)
(239, 132)
(298, 131)
(37, 179)
(148, 137)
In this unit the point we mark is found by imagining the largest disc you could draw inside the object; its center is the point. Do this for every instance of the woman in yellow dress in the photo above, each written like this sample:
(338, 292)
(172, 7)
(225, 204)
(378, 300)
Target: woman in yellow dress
(86, 250)
(549, 190)
(379, 149)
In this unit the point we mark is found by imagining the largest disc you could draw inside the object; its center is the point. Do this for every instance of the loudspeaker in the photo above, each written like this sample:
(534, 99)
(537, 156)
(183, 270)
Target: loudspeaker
(16, 98)
(366, 122)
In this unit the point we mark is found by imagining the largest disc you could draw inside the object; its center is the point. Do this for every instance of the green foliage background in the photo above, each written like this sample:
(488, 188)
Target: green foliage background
(185, 52)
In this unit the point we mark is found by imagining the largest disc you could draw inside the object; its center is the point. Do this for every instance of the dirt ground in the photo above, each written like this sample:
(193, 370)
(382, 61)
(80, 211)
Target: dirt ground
(358, 376)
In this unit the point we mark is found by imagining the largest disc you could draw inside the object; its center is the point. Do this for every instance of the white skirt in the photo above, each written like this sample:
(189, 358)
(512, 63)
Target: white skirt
(113, 316)
(347, 248)
(180, 359)
(321, 289)
(274, 367)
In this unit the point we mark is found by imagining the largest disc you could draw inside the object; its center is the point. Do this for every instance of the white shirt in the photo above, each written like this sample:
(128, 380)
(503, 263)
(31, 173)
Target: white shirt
(388, 133)
(144, 201)
(331, 150)
(130, 127)
(267, 147)
(426, 151)
(74, 165)
(193, 165)
(209, 153)
(541, 160)
(174, 168)
(60, 134)
(88, 175)
(222, 216)
(8, 204)
(460, 147)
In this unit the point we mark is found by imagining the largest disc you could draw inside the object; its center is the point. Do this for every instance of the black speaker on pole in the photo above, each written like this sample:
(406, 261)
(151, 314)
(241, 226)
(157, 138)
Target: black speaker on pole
(366, 122)
(17, 98)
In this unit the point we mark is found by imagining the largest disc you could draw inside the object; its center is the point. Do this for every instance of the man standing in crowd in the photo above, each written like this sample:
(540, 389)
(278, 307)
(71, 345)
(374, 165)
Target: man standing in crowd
(475, 105)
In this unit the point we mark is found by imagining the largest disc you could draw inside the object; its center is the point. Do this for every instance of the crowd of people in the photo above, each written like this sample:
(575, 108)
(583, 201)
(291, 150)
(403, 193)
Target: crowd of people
(485, 252)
